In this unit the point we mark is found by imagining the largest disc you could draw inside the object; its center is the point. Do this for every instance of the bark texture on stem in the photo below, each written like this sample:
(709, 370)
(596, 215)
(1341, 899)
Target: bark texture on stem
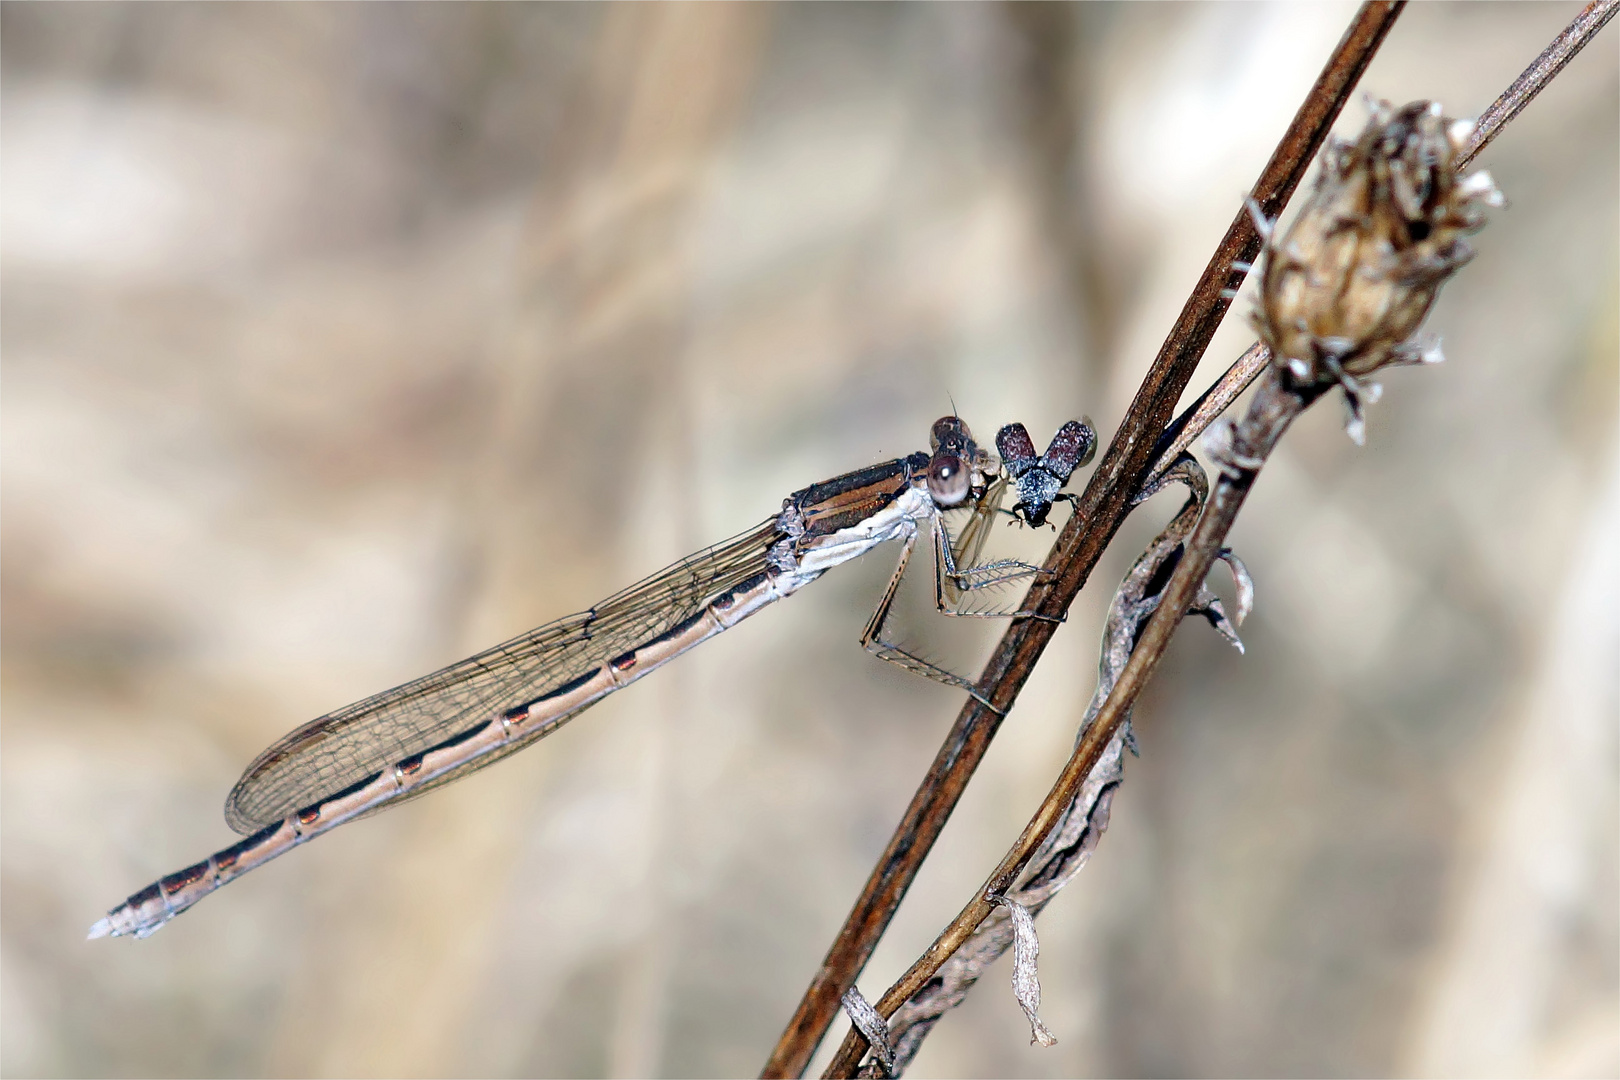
(1103, 506)
(1342, 295)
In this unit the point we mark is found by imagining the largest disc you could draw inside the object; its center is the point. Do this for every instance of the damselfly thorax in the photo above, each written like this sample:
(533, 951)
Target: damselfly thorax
(409, 740)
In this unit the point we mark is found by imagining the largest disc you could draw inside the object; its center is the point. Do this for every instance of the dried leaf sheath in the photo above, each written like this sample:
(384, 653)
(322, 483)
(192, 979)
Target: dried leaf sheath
(1078, 832)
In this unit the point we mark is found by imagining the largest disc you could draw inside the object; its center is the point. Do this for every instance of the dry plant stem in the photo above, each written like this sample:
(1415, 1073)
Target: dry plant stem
(1524, 89)
(1272, 410)
(1274, 407)
(1235, 380)
(1103, 505)
(1192, 422)
(1216, 400)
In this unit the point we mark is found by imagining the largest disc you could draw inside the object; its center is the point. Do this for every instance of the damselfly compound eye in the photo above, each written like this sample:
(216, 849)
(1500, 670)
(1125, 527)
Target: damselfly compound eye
(948, 479)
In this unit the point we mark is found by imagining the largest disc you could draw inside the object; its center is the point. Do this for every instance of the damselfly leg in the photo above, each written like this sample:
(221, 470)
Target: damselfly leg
(957, 569)
(965, 581)
(396, 745)
(957, 572)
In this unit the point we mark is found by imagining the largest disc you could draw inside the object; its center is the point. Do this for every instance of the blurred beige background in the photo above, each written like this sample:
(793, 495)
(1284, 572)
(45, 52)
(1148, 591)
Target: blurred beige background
(341, 341)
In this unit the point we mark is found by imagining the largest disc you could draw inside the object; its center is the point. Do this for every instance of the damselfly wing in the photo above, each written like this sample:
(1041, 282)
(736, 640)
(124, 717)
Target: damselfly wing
(404, 742)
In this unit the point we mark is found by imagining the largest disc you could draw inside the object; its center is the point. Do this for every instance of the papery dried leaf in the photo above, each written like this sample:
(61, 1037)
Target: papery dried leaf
(870, 1023)
(1026, 984)
(1210, 607)
(1071, 843)
(1241, 581)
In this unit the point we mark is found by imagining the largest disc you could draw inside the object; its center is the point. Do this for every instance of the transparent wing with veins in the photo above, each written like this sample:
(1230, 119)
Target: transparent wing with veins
(958, 570)
(351, 745)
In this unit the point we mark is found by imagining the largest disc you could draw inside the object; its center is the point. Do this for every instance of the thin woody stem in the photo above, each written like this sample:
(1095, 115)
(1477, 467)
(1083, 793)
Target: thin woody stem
(1592, 18)
(1197, 417)
(1103, 506)
(1185, 431)
(1273, 409)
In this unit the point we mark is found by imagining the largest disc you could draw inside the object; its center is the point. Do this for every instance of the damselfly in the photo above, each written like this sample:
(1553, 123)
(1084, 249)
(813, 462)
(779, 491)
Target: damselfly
(409, 740)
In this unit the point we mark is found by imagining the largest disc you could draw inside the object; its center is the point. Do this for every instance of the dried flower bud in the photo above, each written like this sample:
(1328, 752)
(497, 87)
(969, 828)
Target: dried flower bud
(1348, 286)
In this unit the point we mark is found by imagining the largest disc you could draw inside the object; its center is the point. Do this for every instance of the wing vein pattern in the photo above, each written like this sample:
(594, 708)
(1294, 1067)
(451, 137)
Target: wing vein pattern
(355, 743)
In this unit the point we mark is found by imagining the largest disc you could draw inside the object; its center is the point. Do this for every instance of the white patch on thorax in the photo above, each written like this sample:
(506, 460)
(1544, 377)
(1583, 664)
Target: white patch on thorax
(897, 521)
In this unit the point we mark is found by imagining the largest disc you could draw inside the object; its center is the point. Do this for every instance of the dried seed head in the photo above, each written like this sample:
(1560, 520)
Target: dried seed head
(1346, 289)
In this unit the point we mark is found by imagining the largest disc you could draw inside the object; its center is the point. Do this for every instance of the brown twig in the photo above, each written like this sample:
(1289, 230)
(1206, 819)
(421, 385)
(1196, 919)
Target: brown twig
(1085, 820)
(1102, 507)
(1279, 400)
(1524, 89)
(1216, 400)
(1275, 411)
(1241, 374)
